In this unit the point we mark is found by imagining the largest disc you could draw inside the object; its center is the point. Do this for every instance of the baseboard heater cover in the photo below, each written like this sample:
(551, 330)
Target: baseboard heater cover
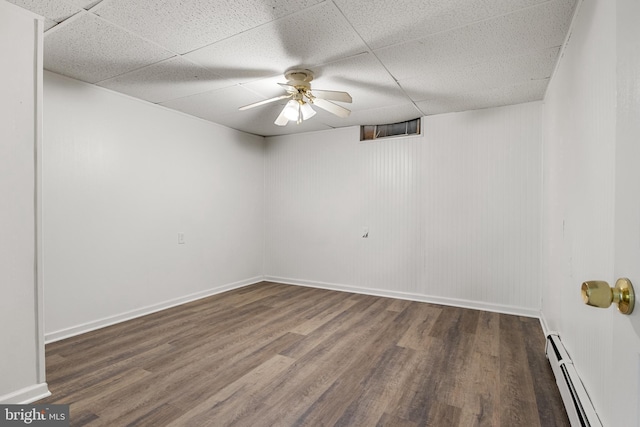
(576, 401)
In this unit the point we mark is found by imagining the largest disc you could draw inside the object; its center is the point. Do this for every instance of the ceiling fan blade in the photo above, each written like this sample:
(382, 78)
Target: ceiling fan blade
(282, 120)
(331, 95)
(289, 88)
(266, 101)
(331, 107)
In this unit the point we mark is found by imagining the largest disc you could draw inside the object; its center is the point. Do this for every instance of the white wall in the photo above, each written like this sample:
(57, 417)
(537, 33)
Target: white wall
(21, 343)
(579, 154)
(578, 207)
(121, 178)
(453, 216)
(626, 338)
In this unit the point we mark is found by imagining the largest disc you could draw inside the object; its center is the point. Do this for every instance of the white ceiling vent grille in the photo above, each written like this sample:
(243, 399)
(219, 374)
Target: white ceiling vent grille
(370, 132)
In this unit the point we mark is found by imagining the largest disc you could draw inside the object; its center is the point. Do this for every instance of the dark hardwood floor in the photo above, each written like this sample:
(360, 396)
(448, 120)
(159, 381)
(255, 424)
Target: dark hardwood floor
(279, 355)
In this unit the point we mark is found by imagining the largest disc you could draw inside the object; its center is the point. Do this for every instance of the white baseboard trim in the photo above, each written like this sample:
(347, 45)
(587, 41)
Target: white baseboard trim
(143, 311)
(453, 302)
(26, 395)
(545, 326)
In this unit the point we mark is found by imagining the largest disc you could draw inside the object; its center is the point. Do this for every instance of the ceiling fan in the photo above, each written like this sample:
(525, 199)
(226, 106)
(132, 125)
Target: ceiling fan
(301, 97)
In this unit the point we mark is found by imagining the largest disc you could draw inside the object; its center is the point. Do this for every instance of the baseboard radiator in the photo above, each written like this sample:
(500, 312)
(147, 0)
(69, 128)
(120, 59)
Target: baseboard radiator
(576, 400)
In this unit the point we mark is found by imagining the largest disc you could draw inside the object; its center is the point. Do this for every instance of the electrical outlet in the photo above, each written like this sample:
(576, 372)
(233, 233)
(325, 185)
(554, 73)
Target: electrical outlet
(181, 238)
(365, 232)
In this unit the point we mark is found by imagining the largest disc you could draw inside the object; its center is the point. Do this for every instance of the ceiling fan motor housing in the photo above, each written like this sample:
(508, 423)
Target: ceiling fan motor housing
(299, 78)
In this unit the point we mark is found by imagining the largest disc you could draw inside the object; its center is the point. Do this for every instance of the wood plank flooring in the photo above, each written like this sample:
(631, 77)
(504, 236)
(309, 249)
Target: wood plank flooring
(279, 355)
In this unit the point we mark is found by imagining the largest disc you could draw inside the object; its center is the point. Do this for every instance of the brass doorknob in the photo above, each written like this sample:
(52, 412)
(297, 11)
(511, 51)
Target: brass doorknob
(597, 293)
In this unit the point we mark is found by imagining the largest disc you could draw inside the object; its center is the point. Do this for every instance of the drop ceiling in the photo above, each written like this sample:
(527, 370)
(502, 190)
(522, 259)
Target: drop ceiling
(398, 59)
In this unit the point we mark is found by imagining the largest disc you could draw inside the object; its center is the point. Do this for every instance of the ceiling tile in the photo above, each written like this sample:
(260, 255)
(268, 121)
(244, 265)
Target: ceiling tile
(497, 97)
(85, 4)
(166, 80)
(268, 87)
(319, 35)
(501, 71)
(209, 105)
(87, 48)
(53, 10)
(456, 81)
(436, 53)
(519, 69)
(529, 29)
(533, 29)
(386, 22)
(500, 7)
(185, 25)
(366, 80)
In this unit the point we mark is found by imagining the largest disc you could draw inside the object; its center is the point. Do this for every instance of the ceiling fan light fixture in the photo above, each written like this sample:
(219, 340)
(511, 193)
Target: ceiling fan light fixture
(292, 110)
(307, 111)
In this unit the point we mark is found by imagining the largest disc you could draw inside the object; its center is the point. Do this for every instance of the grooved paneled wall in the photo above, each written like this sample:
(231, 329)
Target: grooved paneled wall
(21, 344)
(579, 209)
(121, 179)
(453, 215)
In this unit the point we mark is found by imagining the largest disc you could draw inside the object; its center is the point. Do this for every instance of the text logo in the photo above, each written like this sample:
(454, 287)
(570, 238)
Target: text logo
(34, 415)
